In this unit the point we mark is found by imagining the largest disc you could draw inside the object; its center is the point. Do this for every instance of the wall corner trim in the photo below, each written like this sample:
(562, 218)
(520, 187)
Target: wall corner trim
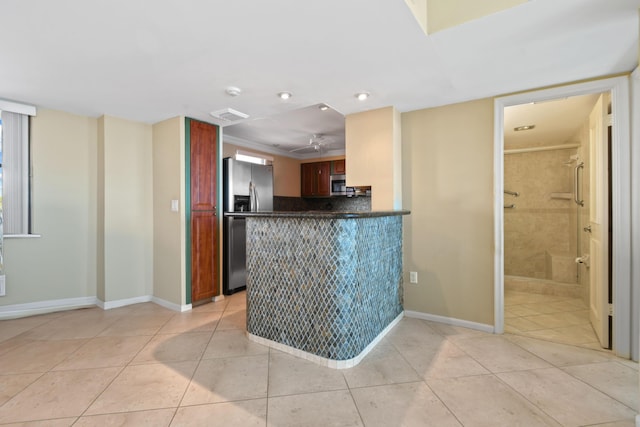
(450, 321)
(171, 305)
(108, 305)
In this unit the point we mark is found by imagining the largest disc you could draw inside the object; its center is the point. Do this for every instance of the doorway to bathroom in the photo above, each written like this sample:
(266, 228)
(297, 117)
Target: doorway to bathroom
(551, 174)
(552, 207)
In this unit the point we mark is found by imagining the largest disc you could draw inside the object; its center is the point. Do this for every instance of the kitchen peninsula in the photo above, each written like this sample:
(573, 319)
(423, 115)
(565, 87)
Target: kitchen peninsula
(323, 285)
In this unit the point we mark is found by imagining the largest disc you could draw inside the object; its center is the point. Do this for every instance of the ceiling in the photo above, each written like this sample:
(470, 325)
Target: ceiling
(555, 122)
(152, 60)
(303, 133)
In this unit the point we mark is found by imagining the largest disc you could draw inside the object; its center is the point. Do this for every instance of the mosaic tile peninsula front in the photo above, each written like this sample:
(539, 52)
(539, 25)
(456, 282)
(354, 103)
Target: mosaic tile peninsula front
(323, 284)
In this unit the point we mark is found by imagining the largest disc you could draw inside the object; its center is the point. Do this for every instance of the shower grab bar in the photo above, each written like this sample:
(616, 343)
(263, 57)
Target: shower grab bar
(512, 193)
(579, 201)
(511, 206)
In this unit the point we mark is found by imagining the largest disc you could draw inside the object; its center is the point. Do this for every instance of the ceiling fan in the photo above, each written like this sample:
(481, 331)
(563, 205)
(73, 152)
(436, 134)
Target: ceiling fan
(317, 141)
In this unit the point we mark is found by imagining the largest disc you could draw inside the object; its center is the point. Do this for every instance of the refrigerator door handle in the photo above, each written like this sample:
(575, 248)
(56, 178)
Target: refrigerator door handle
(256, 198)
(253, 197)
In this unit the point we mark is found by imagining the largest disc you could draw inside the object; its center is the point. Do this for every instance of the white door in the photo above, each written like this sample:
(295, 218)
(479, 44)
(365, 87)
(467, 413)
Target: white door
(599, 221)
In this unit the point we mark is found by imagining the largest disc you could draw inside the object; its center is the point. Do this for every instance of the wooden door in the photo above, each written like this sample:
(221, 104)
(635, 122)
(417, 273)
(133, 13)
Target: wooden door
(599, 222)
(204, 221)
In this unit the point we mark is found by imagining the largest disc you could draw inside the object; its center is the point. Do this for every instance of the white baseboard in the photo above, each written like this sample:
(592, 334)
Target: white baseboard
(42, 307)
(322, 361)
(15, 311)
(171, 305)
(450, 321)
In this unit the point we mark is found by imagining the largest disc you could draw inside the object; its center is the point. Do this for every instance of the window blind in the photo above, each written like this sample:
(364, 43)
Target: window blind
(15, 173)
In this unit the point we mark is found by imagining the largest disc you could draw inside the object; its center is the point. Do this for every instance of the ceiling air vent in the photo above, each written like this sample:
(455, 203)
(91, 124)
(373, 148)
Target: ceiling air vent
(229, 115)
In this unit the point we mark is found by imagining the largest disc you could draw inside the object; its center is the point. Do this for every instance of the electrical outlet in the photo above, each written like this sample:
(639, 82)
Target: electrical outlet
(2, 288)
(413, 277)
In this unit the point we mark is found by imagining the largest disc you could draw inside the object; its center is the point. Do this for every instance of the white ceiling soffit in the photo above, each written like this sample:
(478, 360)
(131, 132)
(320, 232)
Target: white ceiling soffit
(150, 61)
(437, 15)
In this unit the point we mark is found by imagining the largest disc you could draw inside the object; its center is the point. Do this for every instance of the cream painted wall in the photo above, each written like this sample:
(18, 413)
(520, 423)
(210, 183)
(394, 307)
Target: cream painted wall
(286, 170)
(374, 155)
(128, 209)
(169, 227)
(448, 186)
(62, 262)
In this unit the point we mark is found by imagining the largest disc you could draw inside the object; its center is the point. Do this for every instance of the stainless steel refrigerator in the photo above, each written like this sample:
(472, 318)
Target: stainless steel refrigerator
(246, 187)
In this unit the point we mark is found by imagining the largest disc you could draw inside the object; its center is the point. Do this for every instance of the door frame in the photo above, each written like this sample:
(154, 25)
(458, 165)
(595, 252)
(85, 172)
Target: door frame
(621, 198)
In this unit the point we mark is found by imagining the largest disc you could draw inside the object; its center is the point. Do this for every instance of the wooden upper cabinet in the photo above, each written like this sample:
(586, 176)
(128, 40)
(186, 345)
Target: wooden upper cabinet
(315, 179)
(339, 167)
(203, 166)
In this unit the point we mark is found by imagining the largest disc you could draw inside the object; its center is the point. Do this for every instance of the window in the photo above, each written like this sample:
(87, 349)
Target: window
(259, 159)
(15, 168)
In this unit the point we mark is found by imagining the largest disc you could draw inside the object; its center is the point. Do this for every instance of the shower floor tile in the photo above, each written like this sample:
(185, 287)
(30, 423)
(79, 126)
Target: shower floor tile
(553, 318)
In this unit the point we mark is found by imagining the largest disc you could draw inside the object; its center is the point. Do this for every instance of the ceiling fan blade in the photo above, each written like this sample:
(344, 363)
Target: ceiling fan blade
(306, 147)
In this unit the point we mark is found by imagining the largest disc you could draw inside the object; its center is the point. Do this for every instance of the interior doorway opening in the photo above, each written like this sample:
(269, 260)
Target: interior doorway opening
(549, 176)
(620, 180)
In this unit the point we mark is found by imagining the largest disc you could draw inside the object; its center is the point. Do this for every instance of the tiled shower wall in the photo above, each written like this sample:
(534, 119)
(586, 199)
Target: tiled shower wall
(541, 227)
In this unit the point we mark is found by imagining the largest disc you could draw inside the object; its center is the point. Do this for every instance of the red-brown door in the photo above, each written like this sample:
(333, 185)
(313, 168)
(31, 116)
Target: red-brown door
(204, 221)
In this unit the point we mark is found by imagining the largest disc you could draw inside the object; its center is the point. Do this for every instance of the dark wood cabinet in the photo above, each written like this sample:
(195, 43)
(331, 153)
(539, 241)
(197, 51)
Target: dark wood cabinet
(315, 179)
(203, 166)
(204, 272)
(307, 174)
(203, 140)
(338, 167)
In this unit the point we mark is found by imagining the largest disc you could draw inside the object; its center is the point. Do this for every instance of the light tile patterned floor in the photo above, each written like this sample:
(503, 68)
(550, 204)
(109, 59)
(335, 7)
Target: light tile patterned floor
(548, 317)
(144, 365)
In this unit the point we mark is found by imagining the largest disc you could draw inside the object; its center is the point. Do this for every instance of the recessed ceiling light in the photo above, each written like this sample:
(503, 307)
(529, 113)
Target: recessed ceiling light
(284, 95)
(323, 107)
(521, 128)
(362, 96)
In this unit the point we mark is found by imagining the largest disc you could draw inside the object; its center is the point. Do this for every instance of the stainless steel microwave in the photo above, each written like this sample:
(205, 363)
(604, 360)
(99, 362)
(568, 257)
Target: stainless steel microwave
(338, 185)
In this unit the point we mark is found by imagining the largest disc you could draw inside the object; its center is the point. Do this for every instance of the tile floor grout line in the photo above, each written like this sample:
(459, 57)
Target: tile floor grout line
(184, 393)
(595, 387)
(435, 393)
(353, 400)
(527, 399)
(122, 368)
(266, 410)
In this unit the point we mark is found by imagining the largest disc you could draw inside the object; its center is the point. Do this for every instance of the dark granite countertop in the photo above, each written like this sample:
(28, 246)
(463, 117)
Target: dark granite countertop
(318, 214)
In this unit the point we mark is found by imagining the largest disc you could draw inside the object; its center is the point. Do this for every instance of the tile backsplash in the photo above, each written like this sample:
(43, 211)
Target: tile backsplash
(322, 204)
